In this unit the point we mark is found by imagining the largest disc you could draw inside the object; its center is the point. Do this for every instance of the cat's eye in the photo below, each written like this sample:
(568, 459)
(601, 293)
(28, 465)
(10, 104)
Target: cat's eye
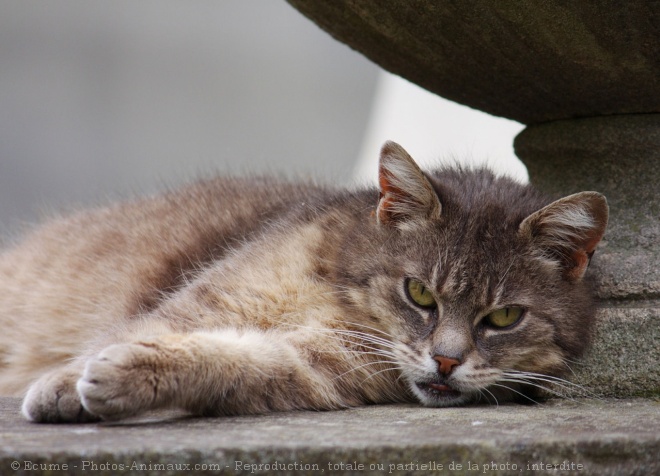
(505, 317)
(420, 294)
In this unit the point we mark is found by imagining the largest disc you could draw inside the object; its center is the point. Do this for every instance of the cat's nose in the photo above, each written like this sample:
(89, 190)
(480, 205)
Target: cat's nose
(445, 364)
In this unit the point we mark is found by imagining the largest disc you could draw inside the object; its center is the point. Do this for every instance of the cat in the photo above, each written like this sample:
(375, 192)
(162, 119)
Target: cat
(249, 295)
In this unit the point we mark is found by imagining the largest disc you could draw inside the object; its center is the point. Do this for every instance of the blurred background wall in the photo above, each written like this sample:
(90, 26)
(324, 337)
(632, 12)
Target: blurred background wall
(103, 100)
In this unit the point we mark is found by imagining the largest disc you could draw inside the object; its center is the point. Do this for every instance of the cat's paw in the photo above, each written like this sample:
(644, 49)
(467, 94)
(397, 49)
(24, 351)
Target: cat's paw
(121, 381)
(54, 399)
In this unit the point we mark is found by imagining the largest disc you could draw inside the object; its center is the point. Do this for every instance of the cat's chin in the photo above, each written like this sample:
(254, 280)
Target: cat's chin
(439, 395)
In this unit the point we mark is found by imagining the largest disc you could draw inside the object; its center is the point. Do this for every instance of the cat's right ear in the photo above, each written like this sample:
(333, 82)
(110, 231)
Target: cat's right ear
(568, 230)
(405, 192)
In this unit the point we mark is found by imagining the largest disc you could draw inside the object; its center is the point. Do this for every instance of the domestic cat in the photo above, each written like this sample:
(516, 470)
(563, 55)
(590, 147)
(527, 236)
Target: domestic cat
(242, 296)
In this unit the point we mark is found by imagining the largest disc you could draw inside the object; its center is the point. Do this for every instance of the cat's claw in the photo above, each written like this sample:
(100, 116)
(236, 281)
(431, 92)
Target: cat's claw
(54, 399)
(119, 382)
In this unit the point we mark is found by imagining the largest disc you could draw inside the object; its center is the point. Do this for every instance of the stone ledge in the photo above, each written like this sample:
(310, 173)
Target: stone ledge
(604, 437)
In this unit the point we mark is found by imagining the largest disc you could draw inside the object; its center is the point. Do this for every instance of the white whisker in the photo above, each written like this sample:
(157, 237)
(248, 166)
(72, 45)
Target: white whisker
(527, 377)
(491, 394)
(539, 386)
(386, 334)
(390, 369)
(376, 362)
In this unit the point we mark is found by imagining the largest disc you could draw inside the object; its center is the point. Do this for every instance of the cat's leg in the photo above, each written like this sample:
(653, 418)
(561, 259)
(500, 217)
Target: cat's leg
(53, 398)
(216, 373)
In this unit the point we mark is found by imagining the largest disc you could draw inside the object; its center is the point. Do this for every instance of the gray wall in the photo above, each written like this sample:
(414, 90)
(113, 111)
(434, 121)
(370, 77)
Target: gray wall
(100, 100)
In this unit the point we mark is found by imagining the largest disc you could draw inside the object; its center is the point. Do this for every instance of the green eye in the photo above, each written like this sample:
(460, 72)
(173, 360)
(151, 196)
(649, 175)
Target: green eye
(420, 295)
(505, 317)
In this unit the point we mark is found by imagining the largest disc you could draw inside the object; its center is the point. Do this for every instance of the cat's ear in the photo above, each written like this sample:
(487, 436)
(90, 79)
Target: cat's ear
(568, 230)
(405, 192)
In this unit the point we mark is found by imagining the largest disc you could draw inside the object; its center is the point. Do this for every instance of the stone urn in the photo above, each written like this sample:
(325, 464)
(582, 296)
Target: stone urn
(585, 79)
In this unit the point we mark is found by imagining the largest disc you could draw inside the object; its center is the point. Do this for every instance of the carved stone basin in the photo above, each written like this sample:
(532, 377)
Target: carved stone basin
(532, 62)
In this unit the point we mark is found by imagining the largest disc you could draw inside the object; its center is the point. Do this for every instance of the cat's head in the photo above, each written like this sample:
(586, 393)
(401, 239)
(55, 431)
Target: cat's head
(476, 281)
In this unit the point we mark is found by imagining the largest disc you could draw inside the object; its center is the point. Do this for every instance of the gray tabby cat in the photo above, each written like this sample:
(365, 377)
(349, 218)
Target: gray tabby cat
(238, 296)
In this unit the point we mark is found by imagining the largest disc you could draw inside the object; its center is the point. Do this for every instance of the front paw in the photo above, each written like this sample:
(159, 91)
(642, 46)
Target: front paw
(122, 381)
(54, 399)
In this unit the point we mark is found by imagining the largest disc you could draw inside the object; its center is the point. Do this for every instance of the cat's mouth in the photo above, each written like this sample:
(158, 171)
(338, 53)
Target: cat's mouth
(436, 393)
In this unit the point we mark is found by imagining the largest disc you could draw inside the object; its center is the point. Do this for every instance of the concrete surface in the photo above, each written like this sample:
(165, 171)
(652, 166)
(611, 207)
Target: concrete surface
(589, 437)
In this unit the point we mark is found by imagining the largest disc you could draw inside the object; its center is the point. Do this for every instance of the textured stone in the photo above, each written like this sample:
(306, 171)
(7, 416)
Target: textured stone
(533, 63)
(606, 437)
(624, 359)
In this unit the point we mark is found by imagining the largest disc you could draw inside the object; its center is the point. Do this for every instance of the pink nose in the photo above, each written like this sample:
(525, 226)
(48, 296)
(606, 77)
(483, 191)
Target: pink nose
(445, 364)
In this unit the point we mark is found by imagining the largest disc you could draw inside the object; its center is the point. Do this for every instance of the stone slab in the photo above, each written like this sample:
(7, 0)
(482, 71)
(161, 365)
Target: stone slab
(603, 437)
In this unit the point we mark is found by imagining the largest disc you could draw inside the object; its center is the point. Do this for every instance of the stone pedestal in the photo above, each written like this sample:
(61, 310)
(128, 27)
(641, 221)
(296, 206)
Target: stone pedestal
(618, 156)
(585, 78)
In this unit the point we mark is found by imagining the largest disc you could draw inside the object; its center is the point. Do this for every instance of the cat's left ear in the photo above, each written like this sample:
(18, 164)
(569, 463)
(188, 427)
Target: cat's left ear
(568, 230)
(405, 192)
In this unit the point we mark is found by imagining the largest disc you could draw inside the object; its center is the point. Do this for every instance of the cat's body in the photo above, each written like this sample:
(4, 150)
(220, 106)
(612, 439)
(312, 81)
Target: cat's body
(236, 296)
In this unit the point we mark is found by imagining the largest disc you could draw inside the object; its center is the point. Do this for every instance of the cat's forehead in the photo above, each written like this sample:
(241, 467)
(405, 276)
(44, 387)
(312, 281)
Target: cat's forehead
(459, 256)
(480, 194)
